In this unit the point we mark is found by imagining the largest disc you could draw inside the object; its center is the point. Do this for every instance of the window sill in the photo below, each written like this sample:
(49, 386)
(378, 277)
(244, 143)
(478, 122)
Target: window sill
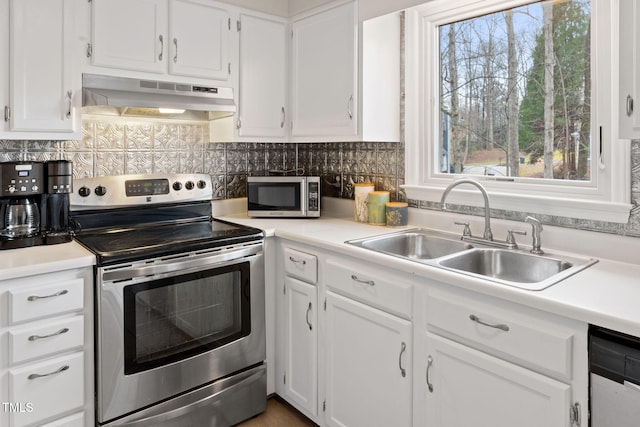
(607, 211)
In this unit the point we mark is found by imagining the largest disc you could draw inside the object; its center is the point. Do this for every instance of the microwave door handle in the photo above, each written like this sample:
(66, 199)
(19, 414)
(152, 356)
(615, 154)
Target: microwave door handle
(303, 199)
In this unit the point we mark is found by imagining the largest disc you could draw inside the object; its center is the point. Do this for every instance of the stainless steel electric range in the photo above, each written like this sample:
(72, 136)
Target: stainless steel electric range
(179, 300)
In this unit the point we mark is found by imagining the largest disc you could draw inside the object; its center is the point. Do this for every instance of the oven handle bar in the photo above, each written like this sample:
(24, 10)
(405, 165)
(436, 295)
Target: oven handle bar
(200, 261)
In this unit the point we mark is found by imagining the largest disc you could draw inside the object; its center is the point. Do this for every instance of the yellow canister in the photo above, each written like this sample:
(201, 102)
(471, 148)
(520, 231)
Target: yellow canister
(397, 214)
(377, 201)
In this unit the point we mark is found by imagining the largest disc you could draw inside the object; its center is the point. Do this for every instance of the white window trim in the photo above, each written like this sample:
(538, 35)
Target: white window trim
(606, 198)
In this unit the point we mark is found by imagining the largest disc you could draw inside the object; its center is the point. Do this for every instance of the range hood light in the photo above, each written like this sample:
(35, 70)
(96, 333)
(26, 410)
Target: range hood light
(171, 110)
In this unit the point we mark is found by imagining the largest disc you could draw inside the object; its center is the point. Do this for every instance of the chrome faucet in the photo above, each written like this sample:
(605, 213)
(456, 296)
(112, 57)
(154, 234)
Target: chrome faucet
(537, 228)
(488, 235)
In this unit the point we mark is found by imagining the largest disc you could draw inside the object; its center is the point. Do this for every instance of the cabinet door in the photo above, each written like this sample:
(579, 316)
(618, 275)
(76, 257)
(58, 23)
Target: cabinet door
(471, 388)
(43, 77)
(324, 78)
(368, 357)
(199, 40)
(629, 65)
(130, 34)
(262, 89)
(301, 324)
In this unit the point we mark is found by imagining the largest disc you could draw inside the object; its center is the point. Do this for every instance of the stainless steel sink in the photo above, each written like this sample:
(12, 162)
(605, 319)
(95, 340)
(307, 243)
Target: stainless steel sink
(511, 267)
(417, 244)
(516, 268)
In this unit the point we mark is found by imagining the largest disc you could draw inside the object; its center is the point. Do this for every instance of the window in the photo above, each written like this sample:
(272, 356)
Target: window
(519, 95)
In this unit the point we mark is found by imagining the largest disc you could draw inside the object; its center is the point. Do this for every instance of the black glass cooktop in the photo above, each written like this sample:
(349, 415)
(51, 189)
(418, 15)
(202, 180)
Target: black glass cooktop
(134, 234)
(128, 244)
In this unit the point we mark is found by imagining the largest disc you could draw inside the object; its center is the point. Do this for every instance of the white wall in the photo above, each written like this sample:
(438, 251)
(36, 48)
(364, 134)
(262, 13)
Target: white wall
(372, 8)
(274, 7)
(287, 8)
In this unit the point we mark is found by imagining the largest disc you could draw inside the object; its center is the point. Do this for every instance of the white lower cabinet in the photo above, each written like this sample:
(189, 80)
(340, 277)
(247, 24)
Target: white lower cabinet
(467, 387)
(489, 362)
(360, 344)
(46, 350)
(301, 373)
(368, 371)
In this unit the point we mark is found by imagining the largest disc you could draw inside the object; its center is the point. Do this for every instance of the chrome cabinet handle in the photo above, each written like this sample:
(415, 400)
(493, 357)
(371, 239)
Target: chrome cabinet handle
(366, 282)
(57, 371)
(350, 107)
(284, 117)
(500, 326)
(69, 100)
(175, 43)
(309, 323)
(161, 38)
(403, 348)
(629, 105)
(57, 294)
(39, 337)
(297, 261)
(7, 113)
(429, 363)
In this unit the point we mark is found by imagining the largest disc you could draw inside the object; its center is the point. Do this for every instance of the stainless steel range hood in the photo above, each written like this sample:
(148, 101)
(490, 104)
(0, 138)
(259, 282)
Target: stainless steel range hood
(139, 97)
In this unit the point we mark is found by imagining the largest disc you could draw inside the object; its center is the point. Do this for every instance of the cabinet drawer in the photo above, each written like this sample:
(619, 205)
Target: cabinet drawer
(518, 334)
(40, 301)
(370, 285)
(302, 265)
(48, 337)
(52, 387)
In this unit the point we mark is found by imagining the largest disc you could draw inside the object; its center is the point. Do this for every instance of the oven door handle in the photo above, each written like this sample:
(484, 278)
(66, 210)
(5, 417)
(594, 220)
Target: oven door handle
(181, 265)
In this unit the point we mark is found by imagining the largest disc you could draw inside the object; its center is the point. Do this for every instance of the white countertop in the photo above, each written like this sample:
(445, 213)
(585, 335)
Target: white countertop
(25, 262)
(605, 294)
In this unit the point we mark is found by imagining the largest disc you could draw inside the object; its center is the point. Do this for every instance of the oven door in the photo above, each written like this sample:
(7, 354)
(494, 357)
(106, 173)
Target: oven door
(167, 326)
(276, 196)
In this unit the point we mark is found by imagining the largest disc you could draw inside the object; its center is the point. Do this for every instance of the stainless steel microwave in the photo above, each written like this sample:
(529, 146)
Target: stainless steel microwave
(283, 196)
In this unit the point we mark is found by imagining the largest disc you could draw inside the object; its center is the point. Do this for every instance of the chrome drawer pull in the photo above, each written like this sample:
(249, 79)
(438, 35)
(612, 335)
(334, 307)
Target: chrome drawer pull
(500, 326)
(57, 294)
(309, 323)
(403, 371)
(366, 282)
(39, 337)
(61, 369)
(429, 363)
(297, 261)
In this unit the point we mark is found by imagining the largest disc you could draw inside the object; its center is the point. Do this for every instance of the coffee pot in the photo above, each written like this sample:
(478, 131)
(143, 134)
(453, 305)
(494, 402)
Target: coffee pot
(21, 218)
(34, 203)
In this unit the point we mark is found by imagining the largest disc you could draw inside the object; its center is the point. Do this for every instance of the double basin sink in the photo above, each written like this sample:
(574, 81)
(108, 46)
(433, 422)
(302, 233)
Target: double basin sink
(513, 267)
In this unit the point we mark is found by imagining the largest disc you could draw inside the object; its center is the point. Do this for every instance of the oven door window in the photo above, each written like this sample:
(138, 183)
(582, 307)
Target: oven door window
(175, 318)
(272, 196)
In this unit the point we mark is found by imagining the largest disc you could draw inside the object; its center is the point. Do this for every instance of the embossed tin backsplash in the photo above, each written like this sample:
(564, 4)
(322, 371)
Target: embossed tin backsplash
(138, 146)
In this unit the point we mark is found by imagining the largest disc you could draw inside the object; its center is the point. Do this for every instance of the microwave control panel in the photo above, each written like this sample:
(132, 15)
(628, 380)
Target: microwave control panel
(313, 196)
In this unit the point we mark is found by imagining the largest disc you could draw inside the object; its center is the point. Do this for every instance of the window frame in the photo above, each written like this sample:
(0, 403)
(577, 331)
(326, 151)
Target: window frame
(606, 197)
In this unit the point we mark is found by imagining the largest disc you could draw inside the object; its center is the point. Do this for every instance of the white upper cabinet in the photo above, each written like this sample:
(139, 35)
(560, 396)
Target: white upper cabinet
(629, 69)
(262, 89)
(199, 40)
(324, 74)
(179, 37)
(39, 77)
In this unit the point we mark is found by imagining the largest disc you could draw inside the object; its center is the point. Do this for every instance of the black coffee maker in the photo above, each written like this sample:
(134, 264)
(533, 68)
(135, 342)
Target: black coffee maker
(34, 203)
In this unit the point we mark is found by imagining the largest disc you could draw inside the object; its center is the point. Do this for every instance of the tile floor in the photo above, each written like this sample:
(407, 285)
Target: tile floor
(278, 414)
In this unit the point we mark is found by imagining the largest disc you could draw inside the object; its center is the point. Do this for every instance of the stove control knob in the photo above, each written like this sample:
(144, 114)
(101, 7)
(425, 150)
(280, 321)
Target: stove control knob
(202, 184)
(177, 186)
(189, 185)
(84, 192)
(100, 190)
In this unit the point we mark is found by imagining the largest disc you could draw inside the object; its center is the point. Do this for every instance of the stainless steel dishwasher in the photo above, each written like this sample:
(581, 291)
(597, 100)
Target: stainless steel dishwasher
(614, 362)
